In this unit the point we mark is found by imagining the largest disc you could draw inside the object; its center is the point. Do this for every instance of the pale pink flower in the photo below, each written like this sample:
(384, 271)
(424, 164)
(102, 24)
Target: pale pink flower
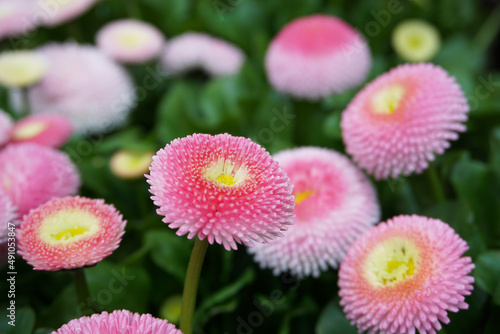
(7, 215)
(118, 322)
(16, 17)
(334, 204)
(42, 129)
(316, 56)
(399, 121)
(70, 232)
(86, 86)
(5, 127)
(404, 275)
(223, 188)
(32, 174)
(200, 51)
(130, 41)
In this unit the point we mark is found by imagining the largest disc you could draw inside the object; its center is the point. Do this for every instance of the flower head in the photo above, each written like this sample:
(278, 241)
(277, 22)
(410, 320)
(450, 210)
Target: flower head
(130, 41)
(416, 40)
(16, 17)
(118, 322)
(32, 174)
(5, 127)
(7, 215)
(315, 56)
(223, 188)
(21, 68)
(64, 11)
(86, 86)
(405, 275)
(195, 50)
(334, 204)
(130, 164)
(70, 232)
(399, 121)
(42, 129)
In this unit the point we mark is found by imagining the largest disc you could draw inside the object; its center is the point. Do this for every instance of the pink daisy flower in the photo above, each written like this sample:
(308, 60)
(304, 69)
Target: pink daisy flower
(398, 122)
(63, 11)
(334, 204)
(223, 188)
(7, 215)
(118, 322)
(70, 232)
(16, 17)
(405, 275)
(195, 50)
(43, 129)
(84, 85)
(315, 56)
(130, 41)
(5, 127)
(32, 174)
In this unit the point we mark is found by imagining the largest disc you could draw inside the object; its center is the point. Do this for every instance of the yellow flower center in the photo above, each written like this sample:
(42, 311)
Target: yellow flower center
(225, 173)
(29, 130)
(21, 68)
(302, 196)
(131, 39)
(130, 164)
(392, 261)
(67, 226)
(387, 100)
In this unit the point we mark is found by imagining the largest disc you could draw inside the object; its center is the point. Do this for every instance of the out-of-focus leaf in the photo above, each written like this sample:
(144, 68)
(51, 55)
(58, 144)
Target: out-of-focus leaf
(456, 53)
(487, 272)
(331, 127)
(333, 320)
(169, 251)
(114, 286)
(474, 184)
(22, 323)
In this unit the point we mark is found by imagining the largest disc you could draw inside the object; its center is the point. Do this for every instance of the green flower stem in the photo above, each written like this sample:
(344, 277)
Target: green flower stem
(191, 285)
(82, 290)
(488, 30)
(436, 186)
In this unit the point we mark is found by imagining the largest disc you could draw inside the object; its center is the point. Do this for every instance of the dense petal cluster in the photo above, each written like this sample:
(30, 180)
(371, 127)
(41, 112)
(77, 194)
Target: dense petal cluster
(315, 56)
(416, 40)
(84, 85)
(7, 215)
(5, 127)
(32, 174)
(399, 121)
(130, 41)
(58, 12)
(21, 68)
(70, 232)
(405, 275)
(334, 204)
(118, 322)
(43, 129)
(223, 188)
(200, 51)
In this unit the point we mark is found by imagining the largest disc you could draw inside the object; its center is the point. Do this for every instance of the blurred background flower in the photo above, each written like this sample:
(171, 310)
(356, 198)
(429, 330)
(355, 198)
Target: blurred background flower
(416, 40)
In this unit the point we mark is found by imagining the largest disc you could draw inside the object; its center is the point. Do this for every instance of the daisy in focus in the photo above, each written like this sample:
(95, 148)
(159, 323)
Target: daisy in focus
(118, 322)
(316, 56)
(416, 40)
(43, 129)
(399, 121)
(191, 51)
(404, 275)
(334, 204)
(130, 41)
(224, 188)
(21, 68)
(69, 233)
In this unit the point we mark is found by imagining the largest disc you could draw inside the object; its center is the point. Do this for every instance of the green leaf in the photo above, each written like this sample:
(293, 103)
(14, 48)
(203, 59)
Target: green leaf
(473, 181)
(22, 323)
(333, 320)
(114, 286)
(169, 251)
(487, 272)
